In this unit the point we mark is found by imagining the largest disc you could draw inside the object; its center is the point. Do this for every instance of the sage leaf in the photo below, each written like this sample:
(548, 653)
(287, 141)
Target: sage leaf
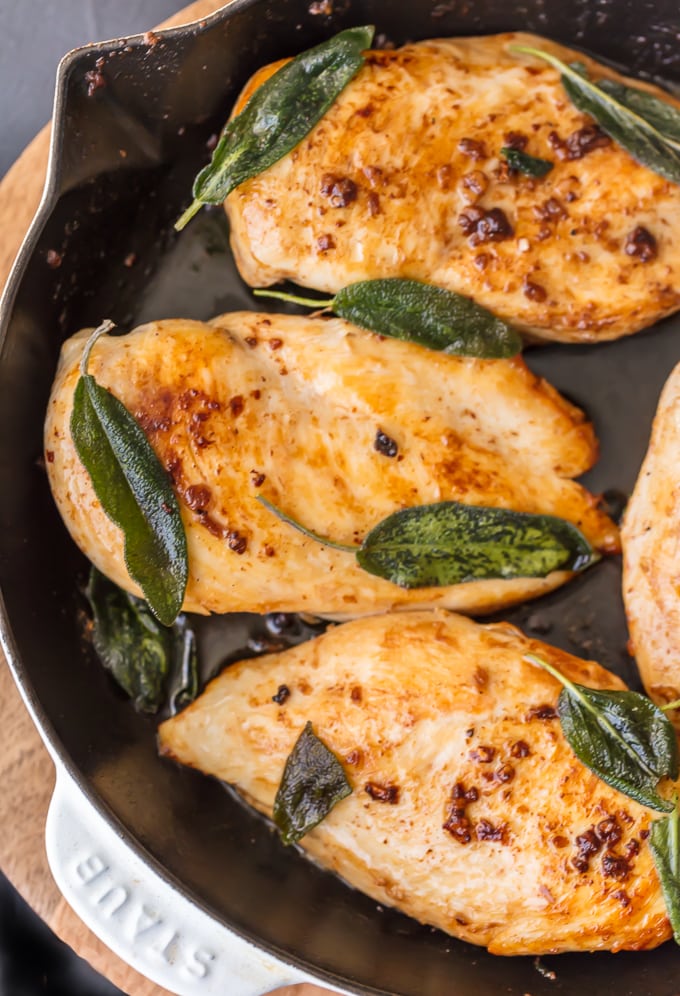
(622, 737)
(664, 843)
(279, 115)
(133, 489)
(313, 783)
(451, 543)
(523, 163)
(429, 315)
(153, 664)
(658, 113)
(422, 313)
(642, 124)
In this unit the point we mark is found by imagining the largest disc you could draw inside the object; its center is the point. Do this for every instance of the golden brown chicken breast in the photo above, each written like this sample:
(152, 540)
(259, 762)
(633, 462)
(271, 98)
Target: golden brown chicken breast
(469, 810)
(651, 554)
(404, 177)
(298, 410)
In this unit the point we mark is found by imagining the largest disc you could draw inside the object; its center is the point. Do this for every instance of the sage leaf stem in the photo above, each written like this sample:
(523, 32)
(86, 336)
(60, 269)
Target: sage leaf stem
(305, 302)
(280, 514)
(645, 126)
(418, 312)
(279, 115)
(133, 489)
(621, 736)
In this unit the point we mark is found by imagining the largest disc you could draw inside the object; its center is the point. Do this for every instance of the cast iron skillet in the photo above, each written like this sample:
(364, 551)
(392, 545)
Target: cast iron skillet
(123, 160)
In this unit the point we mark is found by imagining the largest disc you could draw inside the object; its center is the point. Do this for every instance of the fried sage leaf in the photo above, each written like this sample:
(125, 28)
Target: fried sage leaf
(313, 783)
(451, 543)
(279, 115)
(134, 491)
(153, 664)
(418, 312)
(658, 113)
(642, 124)
(622, 737)
(664, 843)
(523, 163)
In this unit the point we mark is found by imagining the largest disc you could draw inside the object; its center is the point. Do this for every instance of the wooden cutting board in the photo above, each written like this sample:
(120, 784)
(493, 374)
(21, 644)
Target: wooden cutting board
(26, 771)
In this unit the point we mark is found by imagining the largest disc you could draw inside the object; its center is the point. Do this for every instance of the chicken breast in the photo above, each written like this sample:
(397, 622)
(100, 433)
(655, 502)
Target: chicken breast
(651, 548)
(291, 408)
(403, 177)
(469, 810)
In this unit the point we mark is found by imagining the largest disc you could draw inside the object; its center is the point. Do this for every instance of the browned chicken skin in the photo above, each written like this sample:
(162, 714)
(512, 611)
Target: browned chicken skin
(291, 408)
(403, 177)
(469, 810)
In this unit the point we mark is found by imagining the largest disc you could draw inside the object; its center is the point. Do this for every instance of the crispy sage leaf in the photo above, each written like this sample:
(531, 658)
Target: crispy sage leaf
(643, 125)
(153, 664)
(658, 113)
(524, 163)
(418, 312)
(313, 782)
(279, 115)
(624, 738)
(134, 491)
(664, 842)
(451, 543)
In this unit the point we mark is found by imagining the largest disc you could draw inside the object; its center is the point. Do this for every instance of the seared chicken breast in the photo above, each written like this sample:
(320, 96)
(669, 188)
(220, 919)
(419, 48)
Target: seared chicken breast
(469, 810)
(301, 411)
(404, 177)
(651, 554)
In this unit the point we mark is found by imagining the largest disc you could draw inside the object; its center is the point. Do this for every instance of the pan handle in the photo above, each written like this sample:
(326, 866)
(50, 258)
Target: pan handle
(137, 913)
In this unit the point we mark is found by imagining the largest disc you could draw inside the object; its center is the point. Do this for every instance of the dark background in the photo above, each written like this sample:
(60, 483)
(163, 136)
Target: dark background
(34, 35)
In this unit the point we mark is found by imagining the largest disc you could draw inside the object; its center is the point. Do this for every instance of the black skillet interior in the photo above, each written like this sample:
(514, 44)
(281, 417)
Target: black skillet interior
(128, 151)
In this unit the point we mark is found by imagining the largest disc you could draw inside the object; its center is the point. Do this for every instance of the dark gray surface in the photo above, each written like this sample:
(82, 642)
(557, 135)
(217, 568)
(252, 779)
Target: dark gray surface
(34, 35)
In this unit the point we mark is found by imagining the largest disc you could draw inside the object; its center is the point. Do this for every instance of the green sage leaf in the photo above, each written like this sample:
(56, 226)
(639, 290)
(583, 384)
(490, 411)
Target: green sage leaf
(451, 543)
(418, 312)
(664, 843)
(428, 315)
(657, 112)
(279, 115)
(134, 491)
(153, 664)
(313, 783)
(623, 737)
(643, 125)
(524, 163)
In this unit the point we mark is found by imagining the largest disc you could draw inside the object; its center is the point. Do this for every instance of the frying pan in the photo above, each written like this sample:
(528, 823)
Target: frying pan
(171, 870)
